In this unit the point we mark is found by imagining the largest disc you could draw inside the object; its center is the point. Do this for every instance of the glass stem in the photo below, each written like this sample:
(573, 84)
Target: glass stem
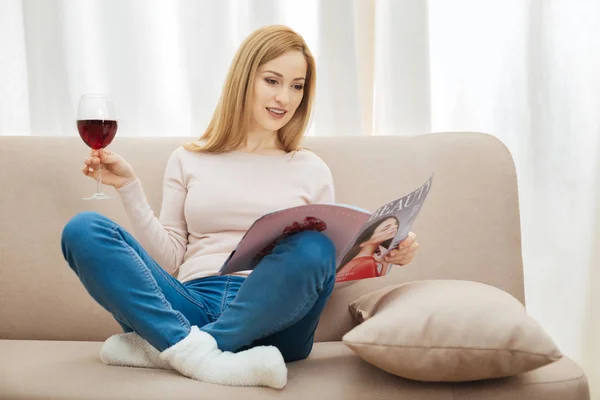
(99, 186)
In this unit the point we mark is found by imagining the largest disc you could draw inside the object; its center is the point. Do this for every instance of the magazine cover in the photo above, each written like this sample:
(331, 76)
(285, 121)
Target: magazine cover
(385, 229)
(361, 238)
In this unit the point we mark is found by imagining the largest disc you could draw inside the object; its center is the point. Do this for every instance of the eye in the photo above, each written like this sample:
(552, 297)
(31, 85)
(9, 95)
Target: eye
(298, 87)
(271, 81)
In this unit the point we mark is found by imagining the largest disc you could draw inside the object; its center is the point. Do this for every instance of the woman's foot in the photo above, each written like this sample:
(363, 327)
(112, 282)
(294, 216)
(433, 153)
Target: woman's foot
(198, 357)
(131, 350)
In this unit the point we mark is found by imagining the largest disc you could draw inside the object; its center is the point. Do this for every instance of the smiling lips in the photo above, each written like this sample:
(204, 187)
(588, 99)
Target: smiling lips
(276, 113)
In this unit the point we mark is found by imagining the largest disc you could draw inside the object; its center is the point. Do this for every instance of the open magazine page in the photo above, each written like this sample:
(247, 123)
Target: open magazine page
(385, 229)
(361, 239)
(338, 222)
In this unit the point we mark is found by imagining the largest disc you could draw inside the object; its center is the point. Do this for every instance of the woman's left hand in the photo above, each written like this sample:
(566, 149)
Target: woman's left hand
(405, 252)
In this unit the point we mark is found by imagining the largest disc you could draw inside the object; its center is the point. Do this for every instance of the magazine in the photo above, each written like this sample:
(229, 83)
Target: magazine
(361, 238)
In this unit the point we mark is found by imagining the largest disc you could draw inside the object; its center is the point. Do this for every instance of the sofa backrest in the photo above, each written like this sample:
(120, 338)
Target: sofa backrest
(468, 228)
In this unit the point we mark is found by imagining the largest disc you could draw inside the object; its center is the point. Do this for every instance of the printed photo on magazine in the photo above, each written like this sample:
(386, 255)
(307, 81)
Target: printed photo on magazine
(361, 238)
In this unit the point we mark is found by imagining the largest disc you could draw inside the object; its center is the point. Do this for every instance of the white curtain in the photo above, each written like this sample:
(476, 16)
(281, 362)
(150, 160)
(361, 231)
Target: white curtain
(163, 62)
(527, 72)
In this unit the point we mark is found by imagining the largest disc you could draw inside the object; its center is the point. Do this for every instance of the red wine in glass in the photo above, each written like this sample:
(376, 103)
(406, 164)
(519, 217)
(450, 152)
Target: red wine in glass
(97, 133)
(97, 126)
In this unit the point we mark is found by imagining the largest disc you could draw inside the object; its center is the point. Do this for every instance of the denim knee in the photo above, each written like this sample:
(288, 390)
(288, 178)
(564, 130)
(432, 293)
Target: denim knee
(78, 227)
(317, 252)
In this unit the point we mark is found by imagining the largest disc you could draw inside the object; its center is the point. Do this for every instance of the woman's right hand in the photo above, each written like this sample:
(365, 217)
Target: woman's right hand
(116, 171)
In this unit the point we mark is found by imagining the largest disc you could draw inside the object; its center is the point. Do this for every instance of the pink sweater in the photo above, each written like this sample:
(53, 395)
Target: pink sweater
(211, 200)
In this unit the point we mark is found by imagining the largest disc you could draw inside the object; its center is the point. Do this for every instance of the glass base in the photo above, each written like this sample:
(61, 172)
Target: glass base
(99, 196)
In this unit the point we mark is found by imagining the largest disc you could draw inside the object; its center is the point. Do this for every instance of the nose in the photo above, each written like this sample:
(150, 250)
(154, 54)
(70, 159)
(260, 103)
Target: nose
(283, 97)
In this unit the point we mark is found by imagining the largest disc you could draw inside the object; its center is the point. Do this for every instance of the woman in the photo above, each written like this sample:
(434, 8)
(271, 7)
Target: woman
(365, 259)
(233, 330)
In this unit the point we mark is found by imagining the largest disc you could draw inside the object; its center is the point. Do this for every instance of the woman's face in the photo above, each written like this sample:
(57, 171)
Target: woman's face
(278, 91)
(385, 231)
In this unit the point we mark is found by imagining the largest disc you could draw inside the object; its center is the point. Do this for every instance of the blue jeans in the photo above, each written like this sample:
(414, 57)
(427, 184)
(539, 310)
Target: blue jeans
(279, 304)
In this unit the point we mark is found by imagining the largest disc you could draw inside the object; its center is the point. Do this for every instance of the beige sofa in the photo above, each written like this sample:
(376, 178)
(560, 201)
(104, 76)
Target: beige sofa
(51, 330)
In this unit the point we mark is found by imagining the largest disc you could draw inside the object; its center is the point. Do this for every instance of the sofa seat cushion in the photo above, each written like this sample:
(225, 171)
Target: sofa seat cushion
(72, 370)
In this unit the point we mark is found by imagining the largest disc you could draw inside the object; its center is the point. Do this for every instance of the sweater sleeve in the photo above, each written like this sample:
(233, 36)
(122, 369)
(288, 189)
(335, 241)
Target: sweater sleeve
(165, 238)
(326, 193)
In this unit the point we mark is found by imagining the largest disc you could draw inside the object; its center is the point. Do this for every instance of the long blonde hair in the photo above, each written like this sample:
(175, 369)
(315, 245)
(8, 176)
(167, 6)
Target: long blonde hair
(227, 129)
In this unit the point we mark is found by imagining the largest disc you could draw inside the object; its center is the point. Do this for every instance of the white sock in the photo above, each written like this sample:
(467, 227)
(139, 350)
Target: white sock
(198, 357)
(131, 350)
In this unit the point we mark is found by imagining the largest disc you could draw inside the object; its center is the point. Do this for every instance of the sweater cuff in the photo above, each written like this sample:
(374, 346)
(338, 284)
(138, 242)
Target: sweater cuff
(134, 199)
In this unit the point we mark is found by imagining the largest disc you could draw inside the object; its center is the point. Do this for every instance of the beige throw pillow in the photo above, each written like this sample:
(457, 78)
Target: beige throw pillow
(448, 331)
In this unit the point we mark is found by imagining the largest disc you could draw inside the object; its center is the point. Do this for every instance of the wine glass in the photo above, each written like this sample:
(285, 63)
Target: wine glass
(97, 126)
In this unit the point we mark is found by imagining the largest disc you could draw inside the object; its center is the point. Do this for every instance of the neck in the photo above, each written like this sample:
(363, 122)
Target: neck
(367, 250)
(261, 142)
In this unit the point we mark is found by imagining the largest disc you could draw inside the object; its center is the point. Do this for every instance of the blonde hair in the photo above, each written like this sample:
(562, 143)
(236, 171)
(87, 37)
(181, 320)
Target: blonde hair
(227, 129)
